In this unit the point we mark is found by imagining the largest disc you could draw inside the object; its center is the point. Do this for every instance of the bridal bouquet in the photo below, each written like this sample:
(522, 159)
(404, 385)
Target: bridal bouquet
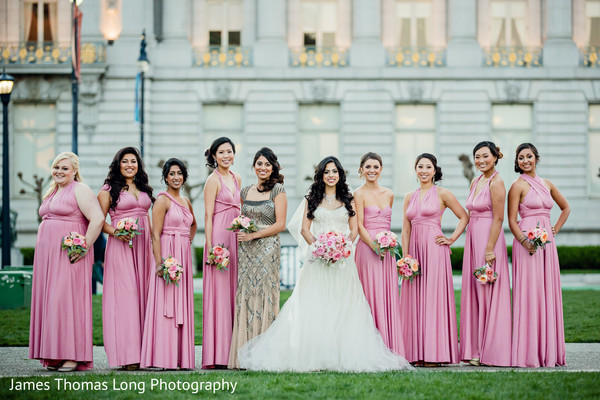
(388, 242)
(170, 270)
(74, 243)
(331, 247)
(218, 256)
(537, 236)
(408, 267)
(244, 224)
(128, 226)
(485, 274)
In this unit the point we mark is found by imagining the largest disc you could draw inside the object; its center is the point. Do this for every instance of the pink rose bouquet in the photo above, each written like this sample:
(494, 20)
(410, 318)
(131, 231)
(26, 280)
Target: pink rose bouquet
(388, 242)
(128, 226)
(408, 267)
(537, 236)
(218, 257)
(171, 271)
(74, 243)
(485, 274)
(331, 247)
(244, 224)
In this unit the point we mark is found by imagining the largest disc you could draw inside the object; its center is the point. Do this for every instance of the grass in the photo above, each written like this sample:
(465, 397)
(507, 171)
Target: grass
(326, 385)
(581, 310)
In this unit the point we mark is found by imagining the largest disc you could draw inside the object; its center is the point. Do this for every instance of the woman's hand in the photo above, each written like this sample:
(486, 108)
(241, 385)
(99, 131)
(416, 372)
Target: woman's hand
(530, 247)
(490, 257)
(245, 237)
(123, 238)
(159, 270)
(443, 241)
(554, 231)
(76, 257)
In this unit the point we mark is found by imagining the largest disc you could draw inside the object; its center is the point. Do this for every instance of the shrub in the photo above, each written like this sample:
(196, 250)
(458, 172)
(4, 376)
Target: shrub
(28, 253)
(199, 258)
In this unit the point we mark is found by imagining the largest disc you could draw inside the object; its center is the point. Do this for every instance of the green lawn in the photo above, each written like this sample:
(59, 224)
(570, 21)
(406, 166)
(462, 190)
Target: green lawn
(581, 314)
(329, 385)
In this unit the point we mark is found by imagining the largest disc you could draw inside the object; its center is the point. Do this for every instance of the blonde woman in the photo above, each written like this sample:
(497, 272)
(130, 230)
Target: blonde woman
(61, 304)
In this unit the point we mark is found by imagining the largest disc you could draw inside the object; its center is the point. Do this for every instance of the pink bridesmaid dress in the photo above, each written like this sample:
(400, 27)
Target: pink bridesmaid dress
(61, 301)
(538, 329)
(219, 287)
(125, 287)
(168, 340)
(380, 280)
(428, 313)
(485, 329)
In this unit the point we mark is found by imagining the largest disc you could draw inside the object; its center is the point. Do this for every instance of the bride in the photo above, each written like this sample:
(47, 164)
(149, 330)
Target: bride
(326, 324)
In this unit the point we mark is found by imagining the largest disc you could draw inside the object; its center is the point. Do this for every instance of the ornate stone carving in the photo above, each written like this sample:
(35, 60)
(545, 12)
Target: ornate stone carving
(40, 89)
(90, 91)
(416, 91)
(319, 91)
(512, 89)
(223, 91)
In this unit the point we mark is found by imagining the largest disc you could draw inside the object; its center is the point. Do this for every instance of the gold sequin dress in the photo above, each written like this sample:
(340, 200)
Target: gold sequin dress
(257, 298)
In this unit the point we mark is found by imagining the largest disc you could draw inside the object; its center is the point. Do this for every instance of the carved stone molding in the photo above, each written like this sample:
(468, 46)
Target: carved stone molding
(319, 91)
(222, 91)
(90, 92)
(38, 88)
(416, 91)
(512, 89)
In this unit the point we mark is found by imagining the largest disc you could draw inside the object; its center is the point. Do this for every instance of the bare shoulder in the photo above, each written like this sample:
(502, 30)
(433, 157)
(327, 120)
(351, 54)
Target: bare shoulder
(497, 181)
(238, 177)
(359, 193)
(162, 202)
(82, 188)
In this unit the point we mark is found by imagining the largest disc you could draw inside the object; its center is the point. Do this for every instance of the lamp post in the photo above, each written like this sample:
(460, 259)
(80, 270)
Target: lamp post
(75, 16)
(6, 86)
(144, 65)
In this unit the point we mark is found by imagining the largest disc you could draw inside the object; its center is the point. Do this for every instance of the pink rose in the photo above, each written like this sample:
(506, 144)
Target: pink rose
(172, 275)
(320, 251)
(218, 250)
(530, 235)
(385, 241)
(77, 241)
(173, 268)
(408, 272)
(84, 245)
(489, 272)
(245, 222)
(347, 253)
(225, 253)
(337, 255)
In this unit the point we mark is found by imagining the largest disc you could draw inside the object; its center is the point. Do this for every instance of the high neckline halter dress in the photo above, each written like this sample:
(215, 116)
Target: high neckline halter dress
(61, 301)
(379, 279)
(125, 288)
(485, 313)
(168, 340)
(428, 313)
(219, 286)
(538, 328)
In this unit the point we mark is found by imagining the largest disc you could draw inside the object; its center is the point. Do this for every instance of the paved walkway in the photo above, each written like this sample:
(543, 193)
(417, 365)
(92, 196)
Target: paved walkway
(14, 362)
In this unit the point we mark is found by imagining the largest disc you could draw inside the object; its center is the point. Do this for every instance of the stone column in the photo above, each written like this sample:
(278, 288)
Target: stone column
(343, 36)
(579, 23)
(388, 23)
(295, 38)
(560, 49)
(367, 49)
(463, 49)
(271, 48)
(249, 27)
(199, 30)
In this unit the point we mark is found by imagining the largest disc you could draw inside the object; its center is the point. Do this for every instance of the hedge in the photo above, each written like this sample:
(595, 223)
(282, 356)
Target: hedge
(570, 257)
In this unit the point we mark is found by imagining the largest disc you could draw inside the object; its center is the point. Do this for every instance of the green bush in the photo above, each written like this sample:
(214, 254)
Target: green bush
(569, 257)
(199, 258)
(27, 255)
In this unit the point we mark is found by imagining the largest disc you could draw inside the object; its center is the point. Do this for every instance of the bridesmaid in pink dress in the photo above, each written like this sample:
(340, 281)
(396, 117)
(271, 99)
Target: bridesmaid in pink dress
(127, 269)
(485, 331)
(538, 329)
(379, 278)
(60, 333)
(428, 314)
(168, 340)
(222, 205)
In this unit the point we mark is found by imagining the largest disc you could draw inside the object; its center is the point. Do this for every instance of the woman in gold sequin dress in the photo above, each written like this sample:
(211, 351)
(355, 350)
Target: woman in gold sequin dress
(257, 298)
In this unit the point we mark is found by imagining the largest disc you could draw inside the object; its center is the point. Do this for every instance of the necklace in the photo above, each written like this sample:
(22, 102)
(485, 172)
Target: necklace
(330, 198)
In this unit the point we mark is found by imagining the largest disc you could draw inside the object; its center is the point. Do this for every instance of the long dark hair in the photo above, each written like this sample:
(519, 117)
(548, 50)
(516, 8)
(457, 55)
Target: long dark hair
(211, 161)
(275, 177)
(522, 147)
(316, 192)
(117, 181)
(167, 167)
(495, 150)
(431, 157)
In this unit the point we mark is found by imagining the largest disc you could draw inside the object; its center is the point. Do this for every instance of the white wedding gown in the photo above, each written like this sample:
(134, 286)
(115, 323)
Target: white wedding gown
(326, 324)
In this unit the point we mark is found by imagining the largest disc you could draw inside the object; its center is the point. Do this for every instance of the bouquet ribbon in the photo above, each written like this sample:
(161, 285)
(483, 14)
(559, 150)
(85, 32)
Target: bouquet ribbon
(173, 305)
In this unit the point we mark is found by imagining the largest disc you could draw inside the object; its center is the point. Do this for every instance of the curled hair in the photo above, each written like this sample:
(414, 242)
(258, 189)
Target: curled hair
(167, 167)
(117, 182)
(438, 170)
(211, 153)
(67, 155)
(522, 147)
(368, 156)
(316, 192)
(275, 176)
(493, 149)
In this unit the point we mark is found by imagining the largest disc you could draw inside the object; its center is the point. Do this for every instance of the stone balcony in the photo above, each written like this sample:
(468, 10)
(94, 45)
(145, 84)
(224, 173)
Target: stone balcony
(222, 57)
(590, 57)
(416, 57)
(317, 57)
(512, 57)
(50, 53)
